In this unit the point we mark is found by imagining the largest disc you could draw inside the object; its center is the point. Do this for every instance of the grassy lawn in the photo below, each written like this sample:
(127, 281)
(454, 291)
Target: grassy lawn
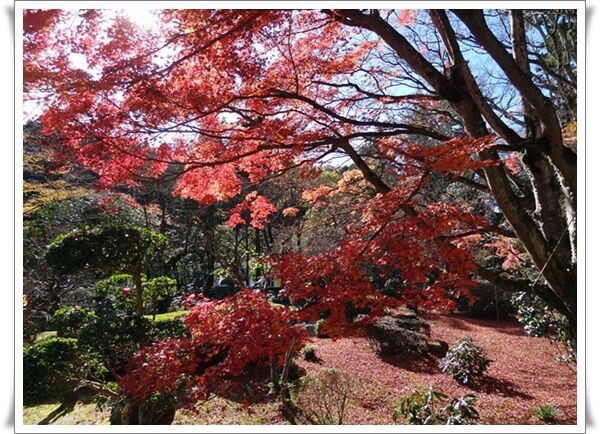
(215, 411)
(82, 414)
(45, 335)
(168, 316)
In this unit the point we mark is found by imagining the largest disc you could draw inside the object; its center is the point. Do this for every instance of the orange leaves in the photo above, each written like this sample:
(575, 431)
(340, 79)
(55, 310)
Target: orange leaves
(313, 196)
(257, 206)
(290, 212)
(407, 17)
(237, 97)
(512, 163)
(207, 185)
(511, 251)
(247, 326)
(454, 156)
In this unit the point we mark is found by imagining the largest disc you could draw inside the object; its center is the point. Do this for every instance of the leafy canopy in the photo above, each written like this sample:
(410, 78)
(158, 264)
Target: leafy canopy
(107, 248)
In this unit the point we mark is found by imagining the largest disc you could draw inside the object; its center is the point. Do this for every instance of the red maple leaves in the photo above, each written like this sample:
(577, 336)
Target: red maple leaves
(257, 206)
(228, 336)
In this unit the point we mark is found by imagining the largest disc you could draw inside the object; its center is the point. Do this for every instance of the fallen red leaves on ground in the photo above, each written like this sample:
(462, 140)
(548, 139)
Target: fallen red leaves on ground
(523, 374)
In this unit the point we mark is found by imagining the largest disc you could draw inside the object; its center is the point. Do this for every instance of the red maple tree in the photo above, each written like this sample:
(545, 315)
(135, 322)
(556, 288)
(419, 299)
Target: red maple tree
(238, 96)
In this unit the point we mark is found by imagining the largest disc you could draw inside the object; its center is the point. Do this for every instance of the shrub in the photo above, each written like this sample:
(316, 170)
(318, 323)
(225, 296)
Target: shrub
(532, 313)
(115, 334)
(323, 399)
(460, 411)
(466, 362)
(546, 412)
(320, 326)
(389, 336)
(54, 366)
(118, 288)
(539, 320)
(309, 353)
(420, 408)
(174, 328)
(159, 290)
(69, 320)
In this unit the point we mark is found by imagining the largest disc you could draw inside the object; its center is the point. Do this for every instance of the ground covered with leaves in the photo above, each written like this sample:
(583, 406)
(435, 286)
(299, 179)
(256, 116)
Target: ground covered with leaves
(523, 375)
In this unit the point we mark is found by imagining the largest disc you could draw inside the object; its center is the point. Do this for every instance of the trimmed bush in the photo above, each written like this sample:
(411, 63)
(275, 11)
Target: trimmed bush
(466, 362)
(54, 366)
(168, 329)
(115, 334)
(391, 336)
(67, 321)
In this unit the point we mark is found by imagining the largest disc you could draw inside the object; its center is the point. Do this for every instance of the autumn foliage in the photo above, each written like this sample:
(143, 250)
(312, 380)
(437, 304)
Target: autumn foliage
(228, 337)
(222, 102)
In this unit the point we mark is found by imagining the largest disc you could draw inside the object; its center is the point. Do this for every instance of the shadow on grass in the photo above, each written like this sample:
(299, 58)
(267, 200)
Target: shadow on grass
(65, 404)
(507, 326)
(496, 386)
(427, 364)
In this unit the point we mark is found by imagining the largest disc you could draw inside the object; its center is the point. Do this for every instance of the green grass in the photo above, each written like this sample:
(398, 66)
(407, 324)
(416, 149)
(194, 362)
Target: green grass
(168, 316)
(82, 414)
(216, 411)
(45, 335)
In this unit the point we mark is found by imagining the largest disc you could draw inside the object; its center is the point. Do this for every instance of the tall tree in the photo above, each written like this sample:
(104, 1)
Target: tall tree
(233, 95)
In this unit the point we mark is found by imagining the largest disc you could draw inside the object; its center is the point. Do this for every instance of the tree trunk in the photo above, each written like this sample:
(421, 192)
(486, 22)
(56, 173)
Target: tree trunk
(139, 302)
(257, 247)
(462, 92)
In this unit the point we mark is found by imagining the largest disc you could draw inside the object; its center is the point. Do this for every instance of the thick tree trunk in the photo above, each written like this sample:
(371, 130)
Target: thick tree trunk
(462, 92)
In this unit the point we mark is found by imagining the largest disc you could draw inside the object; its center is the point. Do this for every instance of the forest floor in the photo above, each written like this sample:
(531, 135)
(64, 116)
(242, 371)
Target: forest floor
(523, 374)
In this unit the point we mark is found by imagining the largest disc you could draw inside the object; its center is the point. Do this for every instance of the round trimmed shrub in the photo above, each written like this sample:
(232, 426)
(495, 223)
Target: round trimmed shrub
(390, 336)
(115, 334)
(54, 366)
(67, 321)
